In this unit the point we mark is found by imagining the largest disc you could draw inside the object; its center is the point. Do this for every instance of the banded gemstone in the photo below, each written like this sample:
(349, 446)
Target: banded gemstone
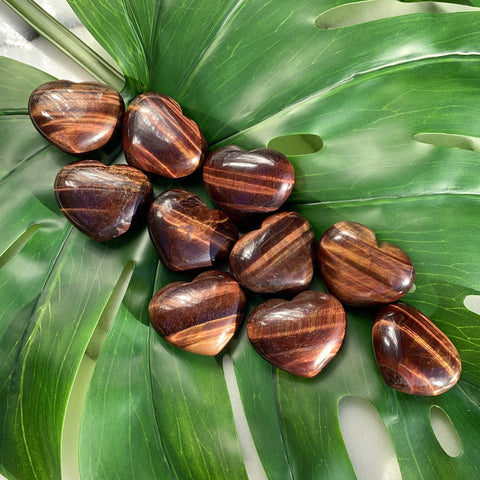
(200, 316)
(413, 355)
(299, 336)
(187, 234)
(159, 139)
(103, 201)
(76, 117)
(248, 185)
(358, 270)
(279, 256)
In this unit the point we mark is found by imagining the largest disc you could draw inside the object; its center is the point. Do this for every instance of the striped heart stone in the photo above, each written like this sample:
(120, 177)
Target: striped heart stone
(159, 139)
(360, 271)
(103, 201)
(248, 185)
(279, 256)
(187, 234)
(299, 336)
(76, 117)
(413, 355)
(200, 316)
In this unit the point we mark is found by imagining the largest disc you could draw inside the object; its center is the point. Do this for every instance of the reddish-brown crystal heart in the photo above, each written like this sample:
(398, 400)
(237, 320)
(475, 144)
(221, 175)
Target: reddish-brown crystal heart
(248, 185)
(76, 117)
(187, 234)
(300, 336)
(358, 270)
(158, 138)
(200, 316)
(413, 355)
(279, 256)
(103, 201)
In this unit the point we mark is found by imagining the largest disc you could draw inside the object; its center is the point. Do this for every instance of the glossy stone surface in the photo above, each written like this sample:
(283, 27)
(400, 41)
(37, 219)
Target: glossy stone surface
(200, 316)
(413, 355)
(299, 336)
(187, 234)
(76, 117)
(103, 201)
(158, 138)
(358, 270)
(279, 256)
(248, 185)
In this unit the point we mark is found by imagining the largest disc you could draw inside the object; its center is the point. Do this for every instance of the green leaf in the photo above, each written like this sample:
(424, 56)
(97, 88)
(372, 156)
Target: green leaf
(130, 36)
(381, 121)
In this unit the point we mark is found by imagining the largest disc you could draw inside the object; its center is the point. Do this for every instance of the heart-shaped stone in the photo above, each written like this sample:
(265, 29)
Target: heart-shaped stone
(248, 185)
(360, 271)
(279, 256)
(158, 138)
(200, 316)
(103, 201)
(299, 336)
(76, 117)
(413, 355)
(187, 234)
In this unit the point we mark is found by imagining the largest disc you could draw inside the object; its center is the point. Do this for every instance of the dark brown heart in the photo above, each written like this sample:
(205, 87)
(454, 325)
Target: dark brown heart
(200, 316)
(300, 336)
(248, 185)
(279, 256)
(76, 117)
(413, 355)
(103, 201)
(187, 234)
(158, 138)
(358, 270)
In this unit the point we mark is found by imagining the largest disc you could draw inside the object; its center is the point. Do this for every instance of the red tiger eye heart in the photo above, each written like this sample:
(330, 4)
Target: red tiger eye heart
(200, 316)
(413, 355)
(300, 336)
(76, 117)
(103, 201)
(158, 138)
(187, 234)
(358, 270)
(248, 185)
(277, 257)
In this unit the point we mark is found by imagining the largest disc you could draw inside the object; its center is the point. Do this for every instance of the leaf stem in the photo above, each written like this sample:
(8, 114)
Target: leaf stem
(67, 42)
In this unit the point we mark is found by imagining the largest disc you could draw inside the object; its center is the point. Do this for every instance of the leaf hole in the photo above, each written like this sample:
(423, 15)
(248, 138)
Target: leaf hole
(253, 465)
(73, 418)
(109, 312)
(472, 303)
(18, 244)
(367, 11)
(445, 432)
(297, 144)
(449, 140)
(367, 440)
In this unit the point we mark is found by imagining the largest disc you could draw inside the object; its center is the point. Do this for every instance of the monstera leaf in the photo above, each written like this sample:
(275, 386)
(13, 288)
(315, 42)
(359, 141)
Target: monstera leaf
(379, 114)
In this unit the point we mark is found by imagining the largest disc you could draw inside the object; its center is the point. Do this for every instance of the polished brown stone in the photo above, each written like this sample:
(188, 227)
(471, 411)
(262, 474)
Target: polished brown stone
(200, 316)
(413, 355)
(248, 185)
(158, 138)
(187, 234)
(299, 336)
(76, 117)
(360, 271)
(279, 256)
(103, 201)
